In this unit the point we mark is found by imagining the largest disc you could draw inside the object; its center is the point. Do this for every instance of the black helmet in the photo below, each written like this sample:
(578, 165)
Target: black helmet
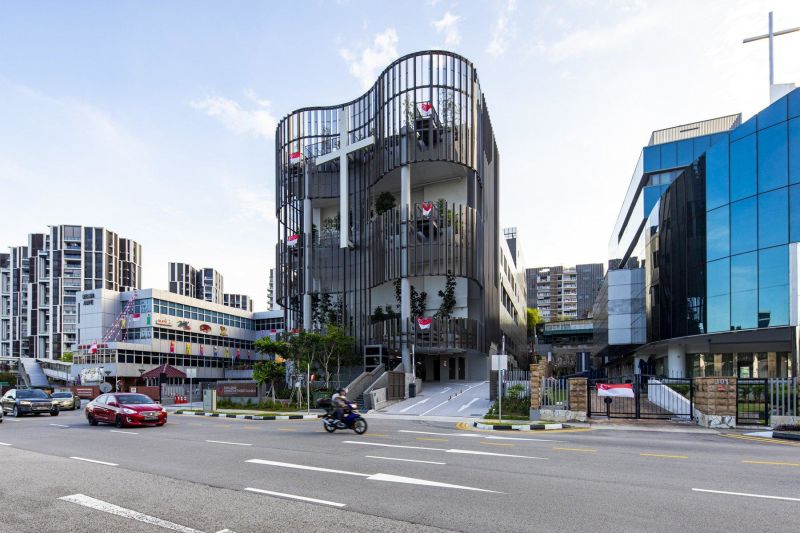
(342, 391)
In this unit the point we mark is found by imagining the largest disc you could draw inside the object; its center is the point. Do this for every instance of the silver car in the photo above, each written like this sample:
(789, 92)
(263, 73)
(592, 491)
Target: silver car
(67, 400)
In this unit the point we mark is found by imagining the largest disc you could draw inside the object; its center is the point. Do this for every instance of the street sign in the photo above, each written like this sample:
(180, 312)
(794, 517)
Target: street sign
(105, 387)
(191, 373)
(500, 362)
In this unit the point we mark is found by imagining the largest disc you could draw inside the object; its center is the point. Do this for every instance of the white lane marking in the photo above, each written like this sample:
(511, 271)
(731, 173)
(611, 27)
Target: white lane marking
(444, 390)
(110, 508)
(404, 460)
(94, 461)
(295, 497)
(467, 404)
(303, 467)
(414, 405)
(784, 498)
(434, 408)
(59, 425)
(434, 433)
(492, 437)
(4, 444)
(451, 450)
(231, 443)
(424, 482)
(371, 477)
(123, 432)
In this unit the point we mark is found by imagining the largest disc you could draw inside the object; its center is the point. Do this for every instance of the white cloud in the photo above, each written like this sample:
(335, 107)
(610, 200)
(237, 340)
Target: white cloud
(258, 122)
(448, 25)
(366, 64)
(503, 29)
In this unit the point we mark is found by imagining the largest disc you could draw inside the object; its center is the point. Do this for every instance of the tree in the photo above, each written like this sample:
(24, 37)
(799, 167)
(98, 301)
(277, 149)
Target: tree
(384, 202)
(264, 371)
(335, 345)
(67, 357)
(535, 322)
(448, 296)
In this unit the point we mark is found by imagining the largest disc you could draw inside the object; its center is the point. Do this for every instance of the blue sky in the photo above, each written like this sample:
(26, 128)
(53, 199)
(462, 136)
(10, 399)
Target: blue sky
(156, 119)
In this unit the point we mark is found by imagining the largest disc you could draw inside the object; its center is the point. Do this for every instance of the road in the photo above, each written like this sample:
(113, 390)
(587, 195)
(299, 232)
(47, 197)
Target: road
(446, 399)
(212, 475)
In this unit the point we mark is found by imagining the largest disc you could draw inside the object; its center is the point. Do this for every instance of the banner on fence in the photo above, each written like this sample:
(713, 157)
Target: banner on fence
(622, 390)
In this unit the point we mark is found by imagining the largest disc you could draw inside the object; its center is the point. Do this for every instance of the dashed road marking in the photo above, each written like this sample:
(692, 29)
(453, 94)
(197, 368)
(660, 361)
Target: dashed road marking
(123, 432)
(58, 425)
(231, 443)
(445, 450)
(663, 456)
(295, 497)
(404, 460)
(765, 496)
(94, 461)
(431, 439)
(587, 450)
(777, 463)
(4, 444)
(495, 444)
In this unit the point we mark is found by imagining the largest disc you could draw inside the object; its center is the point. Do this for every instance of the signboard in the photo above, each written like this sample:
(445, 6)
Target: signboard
(161, 321)
(88, 299)
(191, 373)
(237, 389)
(91, 375)
(499, 362)
(614, 390)
(88, 393)
(105, 387)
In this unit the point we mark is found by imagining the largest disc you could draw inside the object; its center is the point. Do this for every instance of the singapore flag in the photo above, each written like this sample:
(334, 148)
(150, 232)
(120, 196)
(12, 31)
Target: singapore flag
(427, 207)
(622, 390)
(424, 323)
(295, 157)
(425, 109)
(292, 240)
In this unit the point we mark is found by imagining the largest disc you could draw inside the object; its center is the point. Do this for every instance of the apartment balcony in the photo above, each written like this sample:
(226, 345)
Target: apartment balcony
(445, 335)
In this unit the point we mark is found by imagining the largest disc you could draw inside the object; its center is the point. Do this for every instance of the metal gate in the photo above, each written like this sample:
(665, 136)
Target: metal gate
(654, 398)
(396, 386)
(752, 402)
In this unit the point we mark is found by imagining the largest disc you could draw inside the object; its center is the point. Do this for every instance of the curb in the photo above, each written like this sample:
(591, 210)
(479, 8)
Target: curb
(519, 427)
(248, 417)
(786, 435)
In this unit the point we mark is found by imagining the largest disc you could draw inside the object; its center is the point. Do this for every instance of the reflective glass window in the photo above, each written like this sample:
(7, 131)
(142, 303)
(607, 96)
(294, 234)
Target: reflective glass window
(773, 157)
(669, 155)
(743, 168)
(717, 233)
(744, 226)
(794, 151)
(685, 152)
(719, 313)
(717, 176)
(773, 218)
(773, 281)
(744, 310)
(794, 213)
(744, 272)
(719, 277)
(775, 113)
(745, 129)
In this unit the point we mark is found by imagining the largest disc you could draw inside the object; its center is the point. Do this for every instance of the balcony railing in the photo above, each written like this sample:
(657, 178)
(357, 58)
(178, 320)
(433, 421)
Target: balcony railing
(444, 334)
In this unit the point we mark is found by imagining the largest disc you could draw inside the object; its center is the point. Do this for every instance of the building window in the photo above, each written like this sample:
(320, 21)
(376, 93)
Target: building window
(744, 234)
(773, 218)
(744, 294)
(773, 282)
(743, 168)
(718, 233)
(717, 193)
(773, 158)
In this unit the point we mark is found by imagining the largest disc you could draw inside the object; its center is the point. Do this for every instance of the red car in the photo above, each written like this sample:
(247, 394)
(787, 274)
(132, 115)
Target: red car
(125, 409)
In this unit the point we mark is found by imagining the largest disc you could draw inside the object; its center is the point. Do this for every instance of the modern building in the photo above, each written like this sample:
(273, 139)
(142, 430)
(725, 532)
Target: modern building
(567, 345)
(513, 297)
(239, 301)
(5, 305)
(46, 275)
(209, 285)
(183, 279)
(378, 200)
(130, 333)
(271, 290)
(707, 241)
(564, 293)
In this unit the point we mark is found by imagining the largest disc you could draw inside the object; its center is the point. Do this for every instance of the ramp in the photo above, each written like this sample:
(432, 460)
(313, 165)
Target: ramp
(34, 375)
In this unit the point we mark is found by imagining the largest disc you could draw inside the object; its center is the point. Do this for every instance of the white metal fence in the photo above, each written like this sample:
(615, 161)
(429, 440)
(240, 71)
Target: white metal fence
(554, 393)
(782, 396)
(517, 377)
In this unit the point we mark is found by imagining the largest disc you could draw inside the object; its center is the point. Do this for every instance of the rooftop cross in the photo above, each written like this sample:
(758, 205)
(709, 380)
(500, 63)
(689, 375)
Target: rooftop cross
(770, 36)
(344, 150)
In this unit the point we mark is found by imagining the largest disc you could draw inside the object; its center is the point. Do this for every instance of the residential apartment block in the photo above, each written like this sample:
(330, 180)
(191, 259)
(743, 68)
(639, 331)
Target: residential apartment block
(564, 293)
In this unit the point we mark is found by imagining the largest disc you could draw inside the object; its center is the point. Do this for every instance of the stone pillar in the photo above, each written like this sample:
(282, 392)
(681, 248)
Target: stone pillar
(578, 395)
(676, 360)
(405, 283)
(536, 386)
(715, 402)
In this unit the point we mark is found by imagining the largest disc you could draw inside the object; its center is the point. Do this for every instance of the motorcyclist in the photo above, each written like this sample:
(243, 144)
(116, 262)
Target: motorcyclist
(340, 403)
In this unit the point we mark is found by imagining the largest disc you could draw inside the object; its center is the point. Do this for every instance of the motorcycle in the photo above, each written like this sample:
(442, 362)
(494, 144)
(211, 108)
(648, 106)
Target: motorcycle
(350, 419)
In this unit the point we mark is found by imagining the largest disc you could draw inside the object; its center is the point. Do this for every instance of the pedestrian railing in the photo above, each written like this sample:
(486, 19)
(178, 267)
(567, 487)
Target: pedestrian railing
(782, 394)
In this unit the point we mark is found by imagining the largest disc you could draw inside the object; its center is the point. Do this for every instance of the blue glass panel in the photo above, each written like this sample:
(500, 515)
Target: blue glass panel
(773, 307)
(773, 218)
(719, 313)
(794, 151)
(719, 277)
(773, 267)
(743, 168)
(773, 158)
(744, 272)
(652, 194)
(744, 310)
(794, 213)
(745, 129)
(794, 103)
(744, 226)
(717, 176)
(775, 113)
(652, 158)
(685, 152)
(701, 144)
(717, 234)
(669, 155)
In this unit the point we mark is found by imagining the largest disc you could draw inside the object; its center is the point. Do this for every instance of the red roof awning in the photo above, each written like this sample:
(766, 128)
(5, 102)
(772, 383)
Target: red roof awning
(169, 371)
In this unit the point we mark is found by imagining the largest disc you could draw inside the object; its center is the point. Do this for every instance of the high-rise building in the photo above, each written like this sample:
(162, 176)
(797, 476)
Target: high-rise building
(5, 305)
(380, 199)
(201, 283)
(45, 276)
(209, 285)
(239, 301)
(513, 296)
(271, 290)
(564, 293)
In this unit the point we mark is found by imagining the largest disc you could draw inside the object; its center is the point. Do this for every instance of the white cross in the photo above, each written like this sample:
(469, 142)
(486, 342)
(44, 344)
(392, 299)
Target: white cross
(345, 149)
(770, 36)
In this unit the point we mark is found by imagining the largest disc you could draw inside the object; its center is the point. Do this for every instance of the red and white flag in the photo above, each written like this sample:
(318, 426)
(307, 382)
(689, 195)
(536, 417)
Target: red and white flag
(295, 157)
(622, 390)
(427, 208)
(136, 316)
(93, 347)
(425, 109)
(424, 323)
(292, 240)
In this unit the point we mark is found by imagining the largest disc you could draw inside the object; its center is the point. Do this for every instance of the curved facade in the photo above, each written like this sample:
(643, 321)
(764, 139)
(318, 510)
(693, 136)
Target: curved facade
(417, 201)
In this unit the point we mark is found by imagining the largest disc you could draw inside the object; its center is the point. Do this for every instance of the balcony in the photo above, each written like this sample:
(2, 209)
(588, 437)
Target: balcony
(445, 335)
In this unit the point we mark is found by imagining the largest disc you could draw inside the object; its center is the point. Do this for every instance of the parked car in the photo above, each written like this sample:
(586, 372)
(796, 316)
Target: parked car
(67, 400)
(125, 409)
(18, 402)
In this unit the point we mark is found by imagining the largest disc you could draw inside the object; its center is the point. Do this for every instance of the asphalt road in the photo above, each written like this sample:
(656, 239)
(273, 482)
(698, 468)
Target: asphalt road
(209, 475)
(446, 399)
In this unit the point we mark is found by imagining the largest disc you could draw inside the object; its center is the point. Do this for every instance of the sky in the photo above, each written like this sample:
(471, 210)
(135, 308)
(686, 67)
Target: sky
(156, 119)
